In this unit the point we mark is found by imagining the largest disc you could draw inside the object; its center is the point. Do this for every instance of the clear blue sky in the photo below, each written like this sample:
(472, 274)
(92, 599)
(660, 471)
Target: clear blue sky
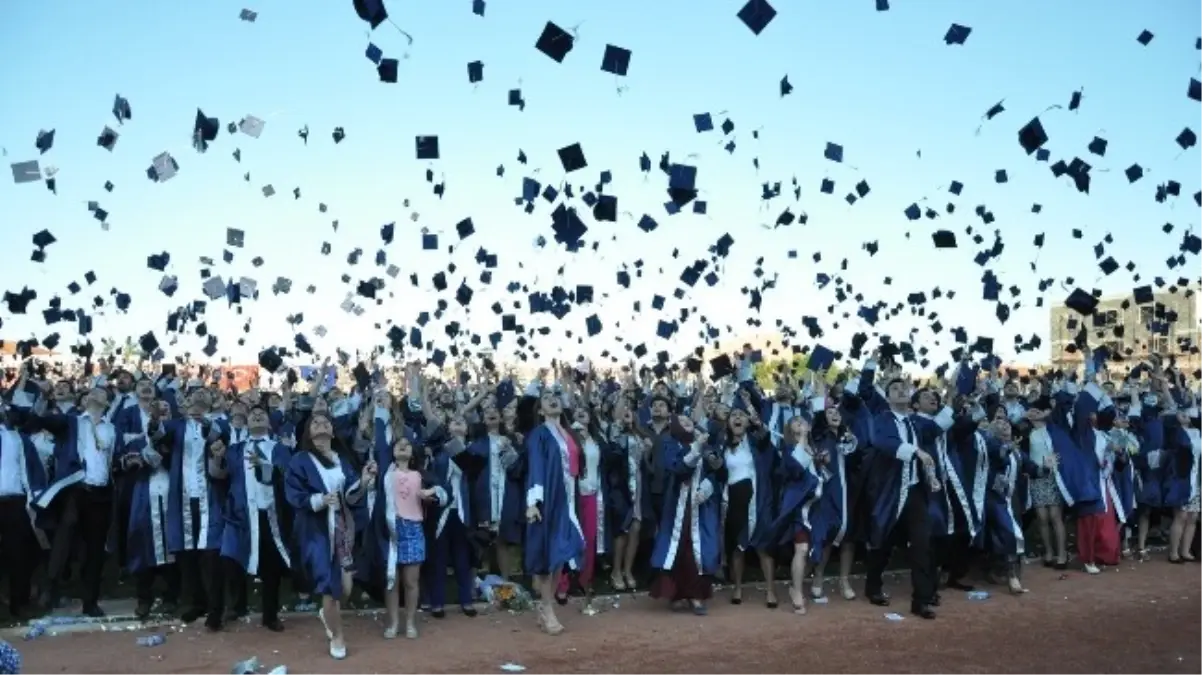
(883, 85)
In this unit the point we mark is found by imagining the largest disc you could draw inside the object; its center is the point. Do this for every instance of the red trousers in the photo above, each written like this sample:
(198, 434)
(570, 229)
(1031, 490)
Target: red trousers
(586, 514)
(1098, 536)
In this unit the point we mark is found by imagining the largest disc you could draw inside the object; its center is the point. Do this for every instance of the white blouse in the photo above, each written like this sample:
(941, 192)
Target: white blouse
(740, 465)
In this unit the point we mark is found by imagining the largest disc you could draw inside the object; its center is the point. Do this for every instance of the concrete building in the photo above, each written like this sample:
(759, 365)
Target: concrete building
(1142, 329)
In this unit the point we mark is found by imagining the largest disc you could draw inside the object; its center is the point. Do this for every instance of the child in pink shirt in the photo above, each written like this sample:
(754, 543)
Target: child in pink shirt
(404, 493)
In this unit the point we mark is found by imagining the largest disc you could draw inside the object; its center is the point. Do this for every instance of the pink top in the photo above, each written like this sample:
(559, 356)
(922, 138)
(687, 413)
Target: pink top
(406, 486)
(573, 454)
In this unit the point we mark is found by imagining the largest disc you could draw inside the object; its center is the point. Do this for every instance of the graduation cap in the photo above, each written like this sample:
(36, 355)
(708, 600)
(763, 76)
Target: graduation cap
(162, 168)
(475, 71)
(44, 141)
(248, 15)
(756, 15)
(427, 147)
(956, 34)
(944, 239)
(204, 130)
(371, 11)
(1081, 302)
(121, 109)
(555, 42)
(616, 60)
(26, 172)
(572, 158)
(107, 139)
(387, 70)
(234, 237)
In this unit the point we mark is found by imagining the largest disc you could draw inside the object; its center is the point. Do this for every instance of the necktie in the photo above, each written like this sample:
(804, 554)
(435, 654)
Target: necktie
(263, 470)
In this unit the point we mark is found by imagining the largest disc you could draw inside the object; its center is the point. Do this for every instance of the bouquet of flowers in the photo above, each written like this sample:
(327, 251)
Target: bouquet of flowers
(512, 597)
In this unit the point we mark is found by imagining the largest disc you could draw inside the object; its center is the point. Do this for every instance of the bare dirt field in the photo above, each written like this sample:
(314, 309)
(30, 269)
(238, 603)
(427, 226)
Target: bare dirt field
(1138, 618)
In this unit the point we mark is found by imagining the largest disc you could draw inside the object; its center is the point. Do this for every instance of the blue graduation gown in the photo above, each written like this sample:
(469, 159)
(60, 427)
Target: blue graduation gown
(1151, 481)
(146, 528)
(1122, 479)
(1003, 528)
(313, 530)
(890, 470)
(627, 497)
(968, 456)
(67, 466)
(1087, 439)
(1181, 473)
(761, 512)
(240, 534)
(506, 483)
(686, 473)
(556, 540)
(802, 486)
(179, 513)
(33, 473)
(932, 438)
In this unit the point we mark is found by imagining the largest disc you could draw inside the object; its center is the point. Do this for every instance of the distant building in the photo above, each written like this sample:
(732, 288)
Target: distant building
(1168, 325)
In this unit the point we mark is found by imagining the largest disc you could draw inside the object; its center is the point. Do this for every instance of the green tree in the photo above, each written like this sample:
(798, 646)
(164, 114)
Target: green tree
(765, 371)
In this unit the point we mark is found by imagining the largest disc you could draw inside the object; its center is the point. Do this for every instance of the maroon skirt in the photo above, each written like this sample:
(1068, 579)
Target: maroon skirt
(684, 581)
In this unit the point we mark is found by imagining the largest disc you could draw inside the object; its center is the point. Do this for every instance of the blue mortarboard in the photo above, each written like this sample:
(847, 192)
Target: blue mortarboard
(45, 141)
(429, 242)
(703, 122)
(616, 60)
(820, 358)
(478, 7)
(374, 54)
(593, 324)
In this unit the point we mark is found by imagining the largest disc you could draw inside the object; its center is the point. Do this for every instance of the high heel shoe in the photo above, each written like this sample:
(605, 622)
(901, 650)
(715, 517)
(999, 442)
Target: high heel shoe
(631, 584)
(547, 627)
(618, 583)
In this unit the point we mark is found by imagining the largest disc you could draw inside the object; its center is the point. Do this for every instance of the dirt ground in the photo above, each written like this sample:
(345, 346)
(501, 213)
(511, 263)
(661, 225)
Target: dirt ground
(1138, 618)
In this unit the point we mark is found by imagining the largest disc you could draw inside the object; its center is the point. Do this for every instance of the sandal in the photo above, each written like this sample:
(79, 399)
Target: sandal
(617, 582)
(631, 584)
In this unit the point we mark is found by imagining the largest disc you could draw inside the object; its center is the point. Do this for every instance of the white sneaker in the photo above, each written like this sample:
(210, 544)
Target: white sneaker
(1091, 568)
(390, 632)
(848, 593)
(337, 653)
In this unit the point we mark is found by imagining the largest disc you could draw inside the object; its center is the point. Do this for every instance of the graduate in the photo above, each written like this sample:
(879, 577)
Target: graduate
(627, 495)
(834, 514)
(322, 487)
(255, 531)
(451, 465)
(197, 468)
(1150, 464)
(79, 496)
(748, 479)
(497, 496)
(1097, 521)
(1181, 484)
(21, 540)
(554, 540)
(687, 550)
(1002, 526)
(590, 503)
(802, 474)
(147, 552)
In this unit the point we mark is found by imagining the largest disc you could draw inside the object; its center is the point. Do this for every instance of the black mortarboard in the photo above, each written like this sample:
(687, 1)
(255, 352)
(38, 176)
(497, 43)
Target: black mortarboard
(148, 343)
(956, 34)
(43, 239)
(427, 147)
(944, 239)
(1144, 38)
(756, 15)
(1032, 136)
(121, 109)
(616, 60)
(1098, 146)
(555, 42)
(475, 71)
(387, 70)
(1143, 295)
(204, 130)
(721, 366)
(234, 237)
(820, 358)
(371, 11)
(572, 158)
(45, 141)
(107, 139)
(785, 87)
(1187, 138)
(270, 361)
(1081, 302)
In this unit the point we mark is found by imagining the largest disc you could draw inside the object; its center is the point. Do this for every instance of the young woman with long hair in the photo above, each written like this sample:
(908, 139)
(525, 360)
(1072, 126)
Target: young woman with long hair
(749, 461)
(322, 487)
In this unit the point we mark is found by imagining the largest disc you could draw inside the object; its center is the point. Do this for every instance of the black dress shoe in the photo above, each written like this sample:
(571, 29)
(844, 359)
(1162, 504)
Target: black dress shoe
(958, 585)
(438, 613)
(469, 611)
(772, 604)
(274, 625)
(923, 611)
(93, 610)
(1061, 566)
(879, 599)
(739, 601)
